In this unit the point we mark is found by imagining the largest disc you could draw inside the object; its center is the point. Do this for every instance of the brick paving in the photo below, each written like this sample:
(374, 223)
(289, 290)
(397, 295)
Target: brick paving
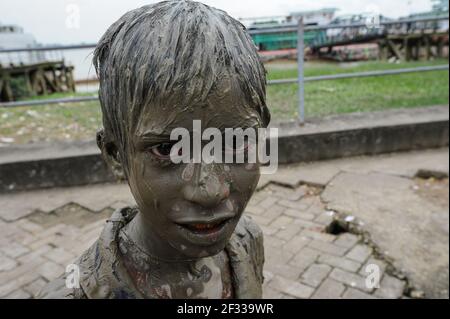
(41, 232)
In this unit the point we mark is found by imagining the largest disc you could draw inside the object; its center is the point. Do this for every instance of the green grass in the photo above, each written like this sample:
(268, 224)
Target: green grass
(77, 121)
(81, 120)
(359, 94)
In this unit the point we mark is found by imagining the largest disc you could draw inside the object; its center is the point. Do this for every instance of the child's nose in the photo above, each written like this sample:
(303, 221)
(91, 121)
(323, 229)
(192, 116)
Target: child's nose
(208, 186)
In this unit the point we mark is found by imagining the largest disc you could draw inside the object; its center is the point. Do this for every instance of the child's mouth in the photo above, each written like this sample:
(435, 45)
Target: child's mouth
(203, 228)
(205, 232)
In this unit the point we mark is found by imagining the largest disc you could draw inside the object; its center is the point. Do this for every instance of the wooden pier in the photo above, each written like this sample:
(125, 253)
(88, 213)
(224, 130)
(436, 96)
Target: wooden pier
(406, 47)
(18, 81)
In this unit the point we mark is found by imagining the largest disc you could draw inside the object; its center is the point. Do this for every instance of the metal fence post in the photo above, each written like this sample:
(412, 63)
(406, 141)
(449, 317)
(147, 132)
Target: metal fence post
(301, 75)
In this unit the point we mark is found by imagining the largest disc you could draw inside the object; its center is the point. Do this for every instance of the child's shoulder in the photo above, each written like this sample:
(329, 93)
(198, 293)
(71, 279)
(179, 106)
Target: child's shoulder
(246, 250)
(248, 230)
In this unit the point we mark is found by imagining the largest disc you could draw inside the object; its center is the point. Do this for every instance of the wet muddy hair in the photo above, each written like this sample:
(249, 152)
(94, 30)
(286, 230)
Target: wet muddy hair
(172, 47)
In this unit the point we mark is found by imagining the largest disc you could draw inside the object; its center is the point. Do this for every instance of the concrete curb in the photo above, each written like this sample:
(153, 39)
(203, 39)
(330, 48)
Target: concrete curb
(72, 164)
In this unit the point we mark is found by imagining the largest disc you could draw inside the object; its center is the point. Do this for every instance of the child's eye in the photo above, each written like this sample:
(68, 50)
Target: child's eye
(162, 151)
(236, 146)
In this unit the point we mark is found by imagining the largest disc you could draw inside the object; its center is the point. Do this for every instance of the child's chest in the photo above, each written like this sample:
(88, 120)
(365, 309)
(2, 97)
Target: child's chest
(208, 278)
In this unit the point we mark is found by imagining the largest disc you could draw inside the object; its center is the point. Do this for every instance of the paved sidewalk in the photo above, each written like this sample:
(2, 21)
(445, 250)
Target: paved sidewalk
(324, 223)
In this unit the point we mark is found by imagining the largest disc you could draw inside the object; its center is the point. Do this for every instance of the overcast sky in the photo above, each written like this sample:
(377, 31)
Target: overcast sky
(50, 21)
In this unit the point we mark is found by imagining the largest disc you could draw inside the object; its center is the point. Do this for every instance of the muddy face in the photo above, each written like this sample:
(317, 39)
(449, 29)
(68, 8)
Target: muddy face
(189, 210)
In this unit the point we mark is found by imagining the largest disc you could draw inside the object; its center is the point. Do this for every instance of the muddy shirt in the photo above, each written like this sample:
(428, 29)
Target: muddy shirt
(104, 276)
(208, 277)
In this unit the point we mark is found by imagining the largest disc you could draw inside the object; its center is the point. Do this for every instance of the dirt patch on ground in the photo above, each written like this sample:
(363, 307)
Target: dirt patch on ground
(433, 190)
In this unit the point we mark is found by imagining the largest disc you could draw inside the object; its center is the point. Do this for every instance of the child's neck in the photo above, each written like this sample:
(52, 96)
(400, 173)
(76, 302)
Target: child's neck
(149, 243)
(159, 274)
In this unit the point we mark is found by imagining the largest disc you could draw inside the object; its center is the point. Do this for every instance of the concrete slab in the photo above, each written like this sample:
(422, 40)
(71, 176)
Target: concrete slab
(353, 121)
(407, 225)
(404, 216)
(19, 205)
(48, 165)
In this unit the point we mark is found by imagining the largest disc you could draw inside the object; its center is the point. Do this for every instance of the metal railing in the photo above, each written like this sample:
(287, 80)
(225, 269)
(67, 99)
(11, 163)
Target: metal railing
(270, 82)
(50, 101)
(51, 48)
(301, 79)
(301, 58)
(362, 74)
(290, 28)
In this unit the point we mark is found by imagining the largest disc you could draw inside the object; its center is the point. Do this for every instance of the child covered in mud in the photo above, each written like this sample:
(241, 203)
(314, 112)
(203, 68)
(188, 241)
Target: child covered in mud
(161, 67)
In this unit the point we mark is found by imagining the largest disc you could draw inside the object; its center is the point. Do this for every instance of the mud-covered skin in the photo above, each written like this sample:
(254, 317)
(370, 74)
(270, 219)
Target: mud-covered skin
(206, 278)
(103, 274)
(162, 67)
(176, 55)
(168, 193)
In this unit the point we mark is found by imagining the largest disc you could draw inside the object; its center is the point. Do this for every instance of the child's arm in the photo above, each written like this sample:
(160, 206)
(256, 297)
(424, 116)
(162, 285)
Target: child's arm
(246, 253)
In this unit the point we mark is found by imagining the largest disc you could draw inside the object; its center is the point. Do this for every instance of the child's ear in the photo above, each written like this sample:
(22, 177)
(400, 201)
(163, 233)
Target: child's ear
(265, 115)
(110, 154)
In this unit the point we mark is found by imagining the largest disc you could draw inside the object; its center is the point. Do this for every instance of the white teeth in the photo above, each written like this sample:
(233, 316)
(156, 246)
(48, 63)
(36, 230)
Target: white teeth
(200, 227)
(204, 226)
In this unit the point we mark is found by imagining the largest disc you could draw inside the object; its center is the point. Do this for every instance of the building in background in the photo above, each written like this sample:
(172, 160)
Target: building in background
(314, 17)
(275, 33)
(440, 8)
(361, 36)
(28, 73)
(14, 37)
